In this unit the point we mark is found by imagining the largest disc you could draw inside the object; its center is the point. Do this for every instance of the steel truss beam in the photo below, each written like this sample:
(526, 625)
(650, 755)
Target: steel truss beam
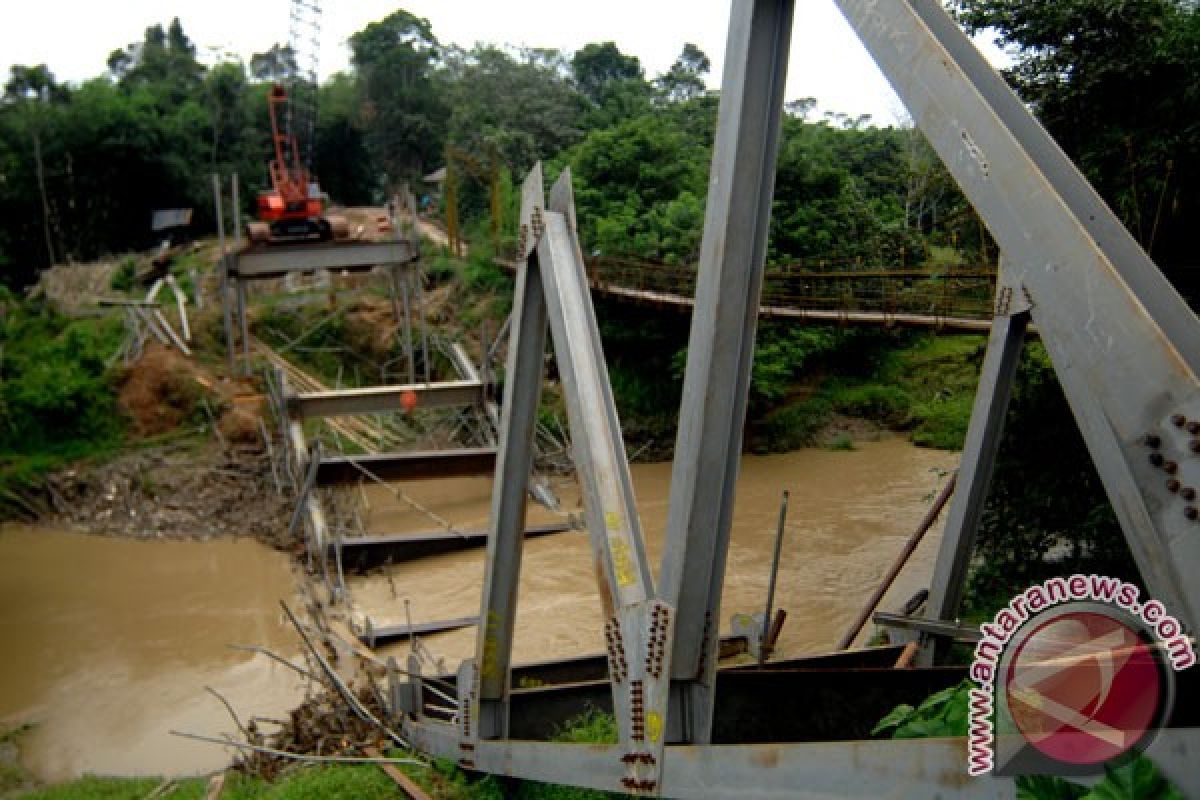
(552, 291)
(264, 263)
(720, 351)
(416, 465)
(378, 399)
(900, 768)
(1124, 345)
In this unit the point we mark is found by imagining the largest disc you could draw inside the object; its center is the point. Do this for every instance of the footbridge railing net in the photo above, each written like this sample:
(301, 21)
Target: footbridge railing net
(821, 290)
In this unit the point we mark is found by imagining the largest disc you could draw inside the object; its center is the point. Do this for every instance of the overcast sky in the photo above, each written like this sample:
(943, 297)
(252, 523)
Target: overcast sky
(74, 37)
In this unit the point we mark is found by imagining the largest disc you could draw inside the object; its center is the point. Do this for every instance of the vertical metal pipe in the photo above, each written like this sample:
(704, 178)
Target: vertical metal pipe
(783, 506)
(408, 336)
(223, 265)
(244, 324)
(237, 210)
(419, 294)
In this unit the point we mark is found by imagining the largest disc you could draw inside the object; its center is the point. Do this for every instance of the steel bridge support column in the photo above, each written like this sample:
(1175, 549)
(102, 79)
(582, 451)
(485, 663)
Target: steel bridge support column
(1125, 346)
(720, 352)
(1005, 344)
(514, 462)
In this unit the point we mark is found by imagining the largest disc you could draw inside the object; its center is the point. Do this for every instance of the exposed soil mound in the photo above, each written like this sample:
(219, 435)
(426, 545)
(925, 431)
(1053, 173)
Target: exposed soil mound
(161, 390)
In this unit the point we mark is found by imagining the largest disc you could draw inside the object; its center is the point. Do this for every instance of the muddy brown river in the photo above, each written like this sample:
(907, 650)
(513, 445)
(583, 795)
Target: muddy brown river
(109, 643)
(850, 513)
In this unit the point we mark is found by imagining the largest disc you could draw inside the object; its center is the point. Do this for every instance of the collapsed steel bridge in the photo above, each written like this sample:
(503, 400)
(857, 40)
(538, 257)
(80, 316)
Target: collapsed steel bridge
(1126, 349)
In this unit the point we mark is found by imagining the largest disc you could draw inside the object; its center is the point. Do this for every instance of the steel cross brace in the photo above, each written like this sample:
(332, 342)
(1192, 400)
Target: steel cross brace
(552, 290)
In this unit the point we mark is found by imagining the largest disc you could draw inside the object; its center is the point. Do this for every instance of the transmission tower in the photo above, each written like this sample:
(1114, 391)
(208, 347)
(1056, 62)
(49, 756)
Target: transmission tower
(304, 39)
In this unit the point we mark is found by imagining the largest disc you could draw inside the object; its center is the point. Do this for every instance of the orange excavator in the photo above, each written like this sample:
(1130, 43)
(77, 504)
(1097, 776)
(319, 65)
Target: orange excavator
(293, 209)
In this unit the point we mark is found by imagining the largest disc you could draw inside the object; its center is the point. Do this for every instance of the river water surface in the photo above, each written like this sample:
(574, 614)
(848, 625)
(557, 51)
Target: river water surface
(109, 643)
(850, 514)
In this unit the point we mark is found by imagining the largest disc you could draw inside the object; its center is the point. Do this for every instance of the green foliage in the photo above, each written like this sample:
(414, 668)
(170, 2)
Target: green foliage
(1045, 498)
(945, 714)
(943, 421)
(590, 727)
(792, 426)
(56, 394)
(482, 276)
(843, 442)
(599, 66)
(57, 389)
(1133, 779)
(784, 352)
(521, 105)
(685, 79)
(637, 190)
(1115, 82)
(405, 112)
(941, 714)
(889, 405)
(124, 276)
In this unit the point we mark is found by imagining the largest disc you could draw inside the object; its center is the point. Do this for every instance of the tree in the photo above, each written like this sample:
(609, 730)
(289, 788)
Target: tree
(30, 89)
(525, 108)
(1117, 83)
(341, 158)
(277, 65)
(163, 62)
(597, 66)
(404, 113)
(685, 79)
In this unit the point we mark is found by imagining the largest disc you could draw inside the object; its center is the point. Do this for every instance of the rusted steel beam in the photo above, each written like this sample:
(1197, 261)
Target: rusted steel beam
(365, 552)
(414, 466)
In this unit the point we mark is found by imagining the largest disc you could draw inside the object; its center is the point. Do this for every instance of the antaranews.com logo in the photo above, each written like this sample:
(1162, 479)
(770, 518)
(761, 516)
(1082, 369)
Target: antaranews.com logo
(1078, 671)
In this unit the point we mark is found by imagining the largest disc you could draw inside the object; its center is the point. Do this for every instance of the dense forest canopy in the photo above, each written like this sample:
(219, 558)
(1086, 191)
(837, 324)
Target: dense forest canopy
(82, 166)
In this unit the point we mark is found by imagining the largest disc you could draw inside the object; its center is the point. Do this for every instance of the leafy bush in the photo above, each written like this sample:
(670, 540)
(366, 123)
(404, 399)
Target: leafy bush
(942, 422)
(125, 275)
(792, 426)
(482, 275)
(888, 405)
(943, 713)
(57, 391)
(1046, 497)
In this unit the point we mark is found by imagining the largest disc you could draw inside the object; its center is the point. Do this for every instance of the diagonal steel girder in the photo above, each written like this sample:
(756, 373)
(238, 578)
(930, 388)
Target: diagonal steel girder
(552, 291)
(721, 350)
(1124, 345)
